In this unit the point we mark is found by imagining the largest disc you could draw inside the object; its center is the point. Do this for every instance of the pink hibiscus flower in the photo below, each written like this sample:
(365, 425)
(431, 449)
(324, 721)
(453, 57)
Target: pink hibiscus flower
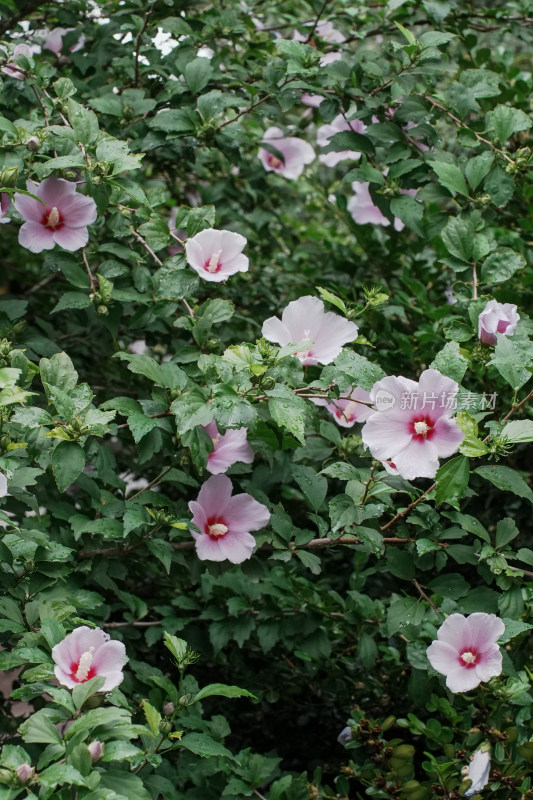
(339, 125)
(228, 448)
(4, 208)
(86, 653)
(412, 427)
(62, 217)
(466, 650)
(363, 211)
(497, 318)
(225, 521)
(215, 255)
(296, 154)
(11, 68)
(54, 41)
(346, 411)
(305, 320)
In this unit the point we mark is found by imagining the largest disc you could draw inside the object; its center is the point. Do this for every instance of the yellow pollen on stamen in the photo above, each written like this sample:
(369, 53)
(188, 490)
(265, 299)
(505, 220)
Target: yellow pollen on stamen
(218, 529)
(53, 218)
(84, 665)
(215, 440)
(422, 428)
(468, 657)
(213, 262)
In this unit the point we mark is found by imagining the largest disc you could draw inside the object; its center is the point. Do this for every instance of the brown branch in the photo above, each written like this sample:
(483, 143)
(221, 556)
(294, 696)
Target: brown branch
(518, 405)
(315, 23)
(138, 43)
(409, 508)
(93, 280)
(422, 593)
(252, 106)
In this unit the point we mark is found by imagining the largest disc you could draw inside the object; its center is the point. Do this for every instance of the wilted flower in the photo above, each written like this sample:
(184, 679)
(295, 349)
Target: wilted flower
(296, 154)
(497, 318)
(412, 426)
(54, 41)
(11, 68)
(305, 320)
(477, 771)
(466, 650)
(345, 735)
(4, 208)
(339, 125)
(96, 750)
(25, 772)
(228, 448)
(215, 255)
(86, 653)
(363, 211)
(61, 218)
(225, 522)
(346, 410)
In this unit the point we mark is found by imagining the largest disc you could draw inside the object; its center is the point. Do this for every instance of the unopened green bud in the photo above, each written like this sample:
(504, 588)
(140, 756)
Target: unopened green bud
(5, 776)
(102, 310)
(9, 177)
(165, 727)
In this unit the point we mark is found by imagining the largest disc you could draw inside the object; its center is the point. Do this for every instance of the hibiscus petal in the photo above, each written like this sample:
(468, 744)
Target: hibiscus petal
(456, 631)
(28, 208)
(71, 238)
(418, 460)
(490, 663)
(237, 547)
(434, 385)
(36, 237)
(442, 657)
(485, 629)
(462, 680)
(55, 191)
(208, 549)
(384, 437)
(109, 657)
(79, 211)
(232, 244)
(275, 331)
(215, 495)
(244, 513)
(447, 436)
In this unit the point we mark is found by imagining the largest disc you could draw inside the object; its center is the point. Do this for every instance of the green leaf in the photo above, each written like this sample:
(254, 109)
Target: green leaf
(329, 297)
(452, 480)
(39, 730)
(513, 627)
(140, 425)
(197, 73)
(341, 470)
(68, 461)
(222, 690)
(313, 486)
(173, 120)
(471, 446)
(450, 176)
(478, 168)
(199, 219)
(288, 410)
(59, 774)
(230, 409)
(409, 210)
(506, 531)
(503, 121)
(204, 745)
(178, 647)
(507, 479)
(501, 264)
(153, 717)
(349, 140)
(458, 236)
(83, 691)
(166, 375)
(520, 430)
(509, 359)
(190, 410)
(436, 38)
(450, 362)
(173, 282)
(84, 122)
(72, 300)
(500, 186)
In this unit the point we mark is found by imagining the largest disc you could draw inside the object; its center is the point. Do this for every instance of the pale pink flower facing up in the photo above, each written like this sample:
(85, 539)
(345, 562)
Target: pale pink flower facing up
(466, 650)
(215, 255)
(86, 653)
(225, 521)
(497, 318)
(228, 448)
(54, 41)
(347, 410)
(412, 427)
(11, 68)
(305, 320)
(4, 208)
(363, 210)
(339, 125)
(296, 153)
(61, 218)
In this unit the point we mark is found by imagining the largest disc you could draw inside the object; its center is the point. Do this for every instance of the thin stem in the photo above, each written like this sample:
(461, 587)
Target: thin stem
(422, 593)
(409, 508)
(317, 20)
(252, 106)
(158, 261)
(150, 485)
(138, 43)
(92, 278)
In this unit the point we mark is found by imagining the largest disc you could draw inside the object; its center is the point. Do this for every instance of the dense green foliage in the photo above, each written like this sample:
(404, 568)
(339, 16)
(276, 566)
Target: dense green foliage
(328, 623)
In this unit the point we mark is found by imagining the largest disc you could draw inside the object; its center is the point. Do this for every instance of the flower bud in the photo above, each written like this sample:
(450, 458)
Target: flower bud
(25, 773)
(33, 143)
(168, 709)
(9, 177)
(5, 776)
(95, 749)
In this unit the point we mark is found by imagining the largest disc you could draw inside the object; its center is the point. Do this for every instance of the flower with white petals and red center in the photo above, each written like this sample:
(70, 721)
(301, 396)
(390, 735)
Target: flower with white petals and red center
(296, 154)
(349, 408)
(339, 125)
(305, 320)
(54, 41)
(225, 521)
(497, 318)
(215, 255)
(412, 426)
(466, 650)
(228, 448)
(61, 218)
(86, 653)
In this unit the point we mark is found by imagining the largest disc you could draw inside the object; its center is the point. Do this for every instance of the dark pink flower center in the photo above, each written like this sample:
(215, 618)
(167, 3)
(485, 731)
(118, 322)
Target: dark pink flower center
(503, 324)
(53, 219)
(421, 427)
(348, 413)
(83, 670)
(213, 263)
(216, 528)
(469, 658)
(273, 161)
